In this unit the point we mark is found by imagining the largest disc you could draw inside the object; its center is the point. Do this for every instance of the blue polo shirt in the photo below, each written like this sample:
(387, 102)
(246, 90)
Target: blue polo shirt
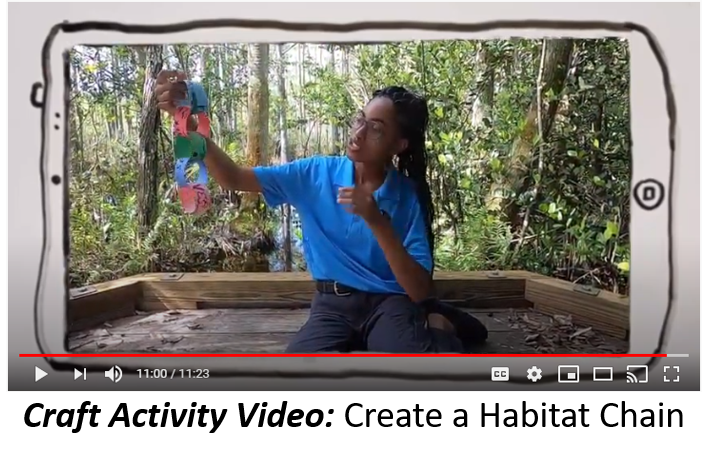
(338, 245)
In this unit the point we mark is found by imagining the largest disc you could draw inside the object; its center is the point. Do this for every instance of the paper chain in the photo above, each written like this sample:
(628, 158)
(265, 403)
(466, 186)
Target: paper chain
(190, 148)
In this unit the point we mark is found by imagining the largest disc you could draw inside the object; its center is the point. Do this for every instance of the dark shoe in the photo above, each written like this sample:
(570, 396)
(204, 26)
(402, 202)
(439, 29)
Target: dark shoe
(471, 331)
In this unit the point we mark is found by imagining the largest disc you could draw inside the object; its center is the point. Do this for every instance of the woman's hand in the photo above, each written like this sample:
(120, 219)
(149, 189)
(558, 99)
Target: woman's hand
(360, 200)
(171, 87)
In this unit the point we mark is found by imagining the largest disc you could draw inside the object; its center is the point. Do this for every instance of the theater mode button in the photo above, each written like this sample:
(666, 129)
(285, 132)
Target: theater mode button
(500, 374)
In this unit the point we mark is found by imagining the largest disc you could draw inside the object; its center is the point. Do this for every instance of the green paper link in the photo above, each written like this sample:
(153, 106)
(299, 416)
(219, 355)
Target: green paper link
(193, 146)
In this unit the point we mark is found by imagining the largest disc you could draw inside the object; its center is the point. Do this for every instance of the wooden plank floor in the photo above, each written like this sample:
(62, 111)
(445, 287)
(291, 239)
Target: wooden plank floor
(251, 330)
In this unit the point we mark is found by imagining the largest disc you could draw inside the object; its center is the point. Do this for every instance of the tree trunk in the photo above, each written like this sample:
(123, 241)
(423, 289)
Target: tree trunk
(111, 109)
(257, 125)
(484, 87)
(220, 114)
(301, 100)
(181, 52)
(334, 126)
(148, 154)
(284, 157)
(512, 183)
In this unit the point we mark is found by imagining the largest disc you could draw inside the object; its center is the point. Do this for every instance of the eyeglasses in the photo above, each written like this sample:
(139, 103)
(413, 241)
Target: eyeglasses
(359, 121)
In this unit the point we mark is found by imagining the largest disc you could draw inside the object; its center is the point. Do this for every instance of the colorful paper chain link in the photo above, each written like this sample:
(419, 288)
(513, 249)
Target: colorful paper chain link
(190, 148)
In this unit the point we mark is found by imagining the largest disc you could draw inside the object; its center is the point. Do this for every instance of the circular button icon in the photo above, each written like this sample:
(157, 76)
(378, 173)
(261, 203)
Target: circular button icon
(649, 194)
(534, 374)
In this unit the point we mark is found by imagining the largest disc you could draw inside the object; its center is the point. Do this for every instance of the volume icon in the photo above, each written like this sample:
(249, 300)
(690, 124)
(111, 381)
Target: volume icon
(115, 374)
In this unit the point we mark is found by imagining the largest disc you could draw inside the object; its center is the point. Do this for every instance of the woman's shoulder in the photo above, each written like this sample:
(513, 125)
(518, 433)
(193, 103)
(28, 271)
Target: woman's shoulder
(320, 170)
(326, 161)
(333, 160)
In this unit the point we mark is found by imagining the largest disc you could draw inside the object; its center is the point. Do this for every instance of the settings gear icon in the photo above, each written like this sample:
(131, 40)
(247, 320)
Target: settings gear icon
(534, 374)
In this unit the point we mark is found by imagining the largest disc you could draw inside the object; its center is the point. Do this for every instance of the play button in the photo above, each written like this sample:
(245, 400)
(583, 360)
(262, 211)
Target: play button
(39, 374)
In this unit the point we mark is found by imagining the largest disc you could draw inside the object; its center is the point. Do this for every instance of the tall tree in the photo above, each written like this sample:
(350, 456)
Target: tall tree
(507, 188)
(483, 89)
(148, 146)
(258, 97)
(284, 156)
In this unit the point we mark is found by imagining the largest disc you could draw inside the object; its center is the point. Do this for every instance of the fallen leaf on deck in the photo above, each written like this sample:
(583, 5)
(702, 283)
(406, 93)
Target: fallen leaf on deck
(563, 320)
(580, 332)
(172, 340)
(79, 345)
(531, 323)
(108, 343)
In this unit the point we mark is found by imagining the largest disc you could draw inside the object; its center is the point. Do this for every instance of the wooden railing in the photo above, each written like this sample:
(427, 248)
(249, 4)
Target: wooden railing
(89, 306)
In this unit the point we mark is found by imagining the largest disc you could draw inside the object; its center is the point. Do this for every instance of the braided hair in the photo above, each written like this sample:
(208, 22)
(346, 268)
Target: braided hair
(412, 116)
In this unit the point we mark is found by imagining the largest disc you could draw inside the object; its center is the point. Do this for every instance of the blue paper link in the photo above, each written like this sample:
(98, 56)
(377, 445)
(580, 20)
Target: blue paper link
(188, 102)
(198, 97)
(181, 171)
(202, 177)
(181, 167)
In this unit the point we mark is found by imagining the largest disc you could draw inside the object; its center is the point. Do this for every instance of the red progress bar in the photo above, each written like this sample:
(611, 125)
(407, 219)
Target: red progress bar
(316, 355)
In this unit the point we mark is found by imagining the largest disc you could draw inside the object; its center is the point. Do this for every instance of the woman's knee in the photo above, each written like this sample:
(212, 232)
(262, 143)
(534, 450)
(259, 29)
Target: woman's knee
(411, 327)
(322, 334)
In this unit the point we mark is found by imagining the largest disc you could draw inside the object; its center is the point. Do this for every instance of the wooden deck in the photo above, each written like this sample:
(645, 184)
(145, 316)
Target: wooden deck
(260, 312)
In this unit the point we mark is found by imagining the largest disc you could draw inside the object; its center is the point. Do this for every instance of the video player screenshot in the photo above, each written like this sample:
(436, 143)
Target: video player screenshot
(462, 213)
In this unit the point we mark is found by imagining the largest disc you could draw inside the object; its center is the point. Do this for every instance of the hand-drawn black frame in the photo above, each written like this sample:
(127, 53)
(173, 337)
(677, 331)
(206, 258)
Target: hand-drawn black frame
(616, 27)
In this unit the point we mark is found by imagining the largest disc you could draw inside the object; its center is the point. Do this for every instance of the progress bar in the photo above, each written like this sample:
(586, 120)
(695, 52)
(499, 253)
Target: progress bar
(336, 355)
(677, 355)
